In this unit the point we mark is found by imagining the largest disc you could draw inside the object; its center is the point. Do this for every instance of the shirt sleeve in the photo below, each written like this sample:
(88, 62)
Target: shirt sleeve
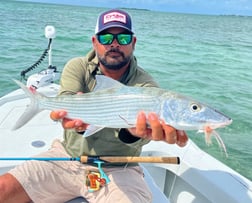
(72, 77)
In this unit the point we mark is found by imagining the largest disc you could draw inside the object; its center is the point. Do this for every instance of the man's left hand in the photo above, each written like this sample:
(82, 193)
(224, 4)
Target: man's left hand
(158, 130)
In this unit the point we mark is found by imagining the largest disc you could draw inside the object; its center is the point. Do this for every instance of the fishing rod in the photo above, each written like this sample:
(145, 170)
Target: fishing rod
(99, 160)
(104, 159)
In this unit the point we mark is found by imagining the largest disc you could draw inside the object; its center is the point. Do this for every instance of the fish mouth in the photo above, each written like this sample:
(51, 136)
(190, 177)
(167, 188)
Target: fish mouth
(219, 125)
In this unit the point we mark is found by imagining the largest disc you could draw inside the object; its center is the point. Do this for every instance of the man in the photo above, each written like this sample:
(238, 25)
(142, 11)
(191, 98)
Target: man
(55, 182)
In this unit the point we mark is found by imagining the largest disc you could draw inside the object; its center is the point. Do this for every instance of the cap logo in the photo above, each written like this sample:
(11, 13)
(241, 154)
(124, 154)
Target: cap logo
(114, 16)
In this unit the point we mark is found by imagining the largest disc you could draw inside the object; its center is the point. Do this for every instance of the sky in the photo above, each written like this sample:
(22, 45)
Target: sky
(212, 7)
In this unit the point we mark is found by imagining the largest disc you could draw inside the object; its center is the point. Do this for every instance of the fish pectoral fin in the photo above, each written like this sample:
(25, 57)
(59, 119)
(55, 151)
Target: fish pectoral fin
(124, 119)
(92, 129)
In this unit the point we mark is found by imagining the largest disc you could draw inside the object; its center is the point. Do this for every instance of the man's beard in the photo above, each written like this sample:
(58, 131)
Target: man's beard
(117, 65)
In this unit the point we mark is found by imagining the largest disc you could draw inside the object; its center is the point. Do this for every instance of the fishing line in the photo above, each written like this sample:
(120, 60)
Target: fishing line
(177, 171)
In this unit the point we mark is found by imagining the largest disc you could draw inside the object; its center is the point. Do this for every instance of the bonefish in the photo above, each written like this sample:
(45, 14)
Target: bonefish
(114, 105)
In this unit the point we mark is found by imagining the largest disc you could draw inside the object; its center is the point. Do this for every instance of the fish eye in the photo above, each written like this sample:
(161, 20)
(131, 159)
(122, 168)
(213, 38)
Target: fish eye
(195, 107)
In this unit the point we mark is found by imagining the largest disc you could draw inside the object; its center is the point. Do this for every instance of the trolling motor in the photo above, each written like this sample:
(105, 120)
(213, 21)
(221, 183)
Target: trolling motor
(49, 75)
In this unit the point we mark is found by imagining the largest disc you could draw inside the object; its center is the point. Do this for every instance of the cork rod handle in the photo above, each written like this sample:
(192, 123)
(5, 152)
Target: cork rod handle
(133, 159)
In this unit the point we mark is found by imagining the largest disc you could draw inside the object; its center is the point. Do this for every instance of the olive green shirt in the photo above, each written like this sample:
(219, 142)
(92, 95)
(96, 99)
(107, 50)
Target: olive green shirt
(79, 76)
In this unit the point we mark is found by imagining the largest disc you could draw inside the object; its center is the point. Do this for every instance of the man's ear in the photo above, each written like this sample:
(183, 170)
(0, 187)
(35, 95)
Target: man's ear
(134, 42)
(94, 41)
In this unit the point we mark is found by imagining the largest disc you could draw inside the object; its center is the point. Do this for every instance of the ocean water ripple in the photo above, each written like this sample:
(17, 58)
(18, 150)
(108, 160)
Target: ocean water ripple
(205, 57)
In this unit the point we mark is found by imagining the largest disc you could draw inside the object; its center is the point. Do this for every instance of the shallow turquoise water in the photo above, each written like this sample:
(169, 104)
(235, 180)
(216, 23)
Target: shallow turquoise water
(206, 57)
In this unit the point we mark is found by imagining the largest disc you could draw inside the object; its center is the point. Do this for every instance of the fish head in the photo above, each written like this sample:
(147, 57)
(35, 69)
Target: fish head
(187, 114)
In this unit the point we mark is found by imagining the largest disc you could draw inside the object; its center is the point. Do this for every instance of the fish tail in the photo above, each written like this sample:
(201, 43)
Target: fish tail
(31, 110)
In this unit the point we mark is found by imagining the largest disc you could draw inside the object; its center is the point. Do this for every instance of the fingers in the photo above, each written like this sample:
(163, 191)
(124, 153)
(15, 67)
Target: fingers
(182, 138)
(82, 127)
(67, 123)
(170, 133)
(76, 124)
(140, 130)
(157, 132)
(71, 123)
(154, 132)
(58, 115)
(173, 136)
(141, 124)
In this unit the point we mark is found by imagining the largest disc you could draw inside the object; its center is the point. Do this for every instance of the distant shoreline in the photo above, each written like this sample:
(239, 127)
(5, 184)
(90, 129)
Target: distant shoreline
(138, 9)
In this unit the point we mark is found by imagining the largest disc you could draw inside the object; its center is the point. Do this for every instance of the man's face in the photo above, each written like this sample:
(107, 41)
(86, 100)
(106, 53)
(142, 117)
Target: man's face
(114, 56)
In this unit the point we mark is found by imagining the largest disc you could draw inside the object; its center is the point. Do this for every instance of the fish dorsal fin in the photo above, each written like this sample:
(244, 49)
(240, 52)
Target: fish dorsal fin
(104, 82)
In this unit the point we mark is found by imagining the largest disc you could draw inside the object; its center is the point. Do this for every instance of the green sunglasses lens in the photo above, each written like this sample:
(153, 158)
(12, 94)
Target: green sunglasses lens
(122, 39)
(106, 38)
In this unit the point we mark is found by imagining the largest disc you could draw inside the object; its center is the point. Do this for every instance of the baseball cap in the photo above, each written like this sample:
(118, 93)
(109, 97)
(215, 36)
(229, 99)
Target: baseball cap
(113, 18)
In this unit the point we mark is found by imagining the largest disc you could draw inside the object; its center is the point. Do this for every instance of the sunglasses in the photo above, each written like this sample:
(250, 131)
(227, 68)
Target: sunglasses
(108, 38)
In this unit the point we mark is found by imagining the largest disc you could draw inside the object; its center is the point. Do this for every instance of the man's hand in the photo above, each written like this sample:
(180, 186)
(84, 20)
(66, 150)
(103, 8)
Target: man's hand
(158, 130)
(77, 124)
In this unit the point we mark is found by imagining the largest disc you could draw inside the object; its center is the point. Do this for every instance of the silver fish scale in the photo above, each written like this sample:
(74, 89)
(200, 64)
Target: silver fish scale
(111, 108)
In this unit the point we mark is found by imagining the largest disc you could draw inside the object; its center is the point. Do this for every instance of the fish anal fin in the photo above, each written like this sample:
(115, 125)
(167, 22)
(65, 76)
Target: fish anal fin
(92, 129)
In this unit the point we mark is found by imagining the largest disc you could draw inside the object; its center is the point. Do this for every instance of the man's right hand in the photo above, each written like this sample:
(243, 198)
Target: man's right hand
(67, 123)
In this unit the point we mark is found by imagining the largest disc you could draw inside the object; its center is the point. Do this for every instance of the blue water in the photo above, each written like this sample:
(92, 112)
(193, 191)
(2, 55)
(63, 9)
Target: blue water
(206, 57)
